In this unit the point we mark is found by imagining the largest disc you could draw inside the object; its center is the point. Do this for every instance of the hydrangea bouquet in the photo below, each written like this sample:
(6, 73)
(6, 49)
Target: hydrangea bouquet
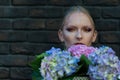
(57, 64)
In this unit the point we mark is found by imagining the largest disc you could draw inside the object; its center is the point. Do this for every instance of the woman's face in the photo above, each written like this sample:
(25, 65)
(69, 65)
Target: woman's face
(77, 29)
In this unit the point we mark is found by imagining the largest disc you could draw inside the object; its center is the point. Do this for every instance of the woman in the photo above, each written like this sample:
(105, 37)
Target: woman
(77, 27)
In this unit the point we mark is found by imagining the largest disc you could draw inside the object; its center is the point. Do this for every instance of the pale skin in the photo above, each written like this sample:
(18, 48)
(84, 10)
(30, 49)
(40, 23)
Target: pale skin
(77, 29)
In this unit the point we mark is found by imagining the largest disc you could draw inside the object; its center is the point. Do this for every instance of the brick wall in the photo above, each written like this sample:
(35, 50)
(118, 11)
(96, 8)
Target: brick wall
(29, 27)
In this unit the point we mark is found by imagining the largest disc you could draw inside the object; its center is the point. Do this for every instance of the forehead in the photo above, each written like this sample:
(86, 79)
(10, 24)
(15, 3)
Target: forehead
(78, 18)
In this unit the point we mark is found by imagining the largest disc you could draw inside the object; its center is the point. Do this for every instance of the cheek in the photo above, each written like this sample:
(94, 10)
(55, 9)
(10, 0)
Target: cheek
(88, 39)
(68, 37)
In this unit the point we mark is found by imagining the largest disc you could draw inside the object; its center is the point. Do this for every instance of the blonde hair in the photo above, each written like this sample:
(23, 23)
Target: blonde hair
(77, 9)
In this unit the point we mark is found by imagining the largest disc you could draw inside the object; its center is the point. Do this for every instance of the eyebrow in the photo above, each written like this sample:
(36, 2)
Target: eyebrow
(82, 26)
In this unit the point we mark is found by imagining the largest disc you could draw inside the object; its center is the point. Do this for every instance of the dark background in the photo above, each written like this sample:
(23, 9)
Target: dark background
(29, 27)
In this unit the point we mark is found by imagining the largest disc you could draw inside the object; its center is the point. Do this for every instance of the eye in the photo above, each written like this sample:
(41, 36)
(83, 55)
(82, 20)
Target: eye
(87, 29)
(71, 29)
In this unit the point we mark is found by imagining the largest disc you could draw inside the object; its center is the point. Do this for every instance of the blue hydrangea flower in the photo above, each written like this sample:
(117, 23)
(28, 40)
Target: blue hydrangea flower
(53, 50)
(58, 64)
(105, 64)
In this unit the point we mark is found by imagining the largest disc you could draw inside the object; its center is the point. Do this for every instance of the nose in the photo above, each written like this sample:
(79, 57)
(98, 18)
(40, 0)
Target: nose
(79, 35)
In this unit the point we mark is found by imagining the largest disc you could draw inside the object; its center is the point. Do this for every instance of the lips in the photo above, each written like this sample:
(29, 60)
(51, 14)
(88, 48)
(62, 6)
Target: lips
(78, 44)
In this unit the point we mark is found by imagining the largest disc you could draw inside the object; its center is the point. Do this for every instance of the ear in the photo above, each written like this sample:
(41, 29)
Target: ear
(60, 35)
(94, 36)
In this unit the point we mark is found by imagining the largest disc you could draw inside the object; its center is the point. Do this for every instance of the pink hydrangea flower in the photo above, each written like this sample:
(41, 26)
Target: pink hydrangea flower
(78, 50)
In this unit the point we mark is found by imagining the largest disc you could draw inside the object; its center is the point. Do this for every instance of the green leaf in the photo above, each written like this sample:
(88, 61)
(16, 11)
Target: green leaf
(35, 64)
(85, 59)
(36, 75)
(85, 62)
